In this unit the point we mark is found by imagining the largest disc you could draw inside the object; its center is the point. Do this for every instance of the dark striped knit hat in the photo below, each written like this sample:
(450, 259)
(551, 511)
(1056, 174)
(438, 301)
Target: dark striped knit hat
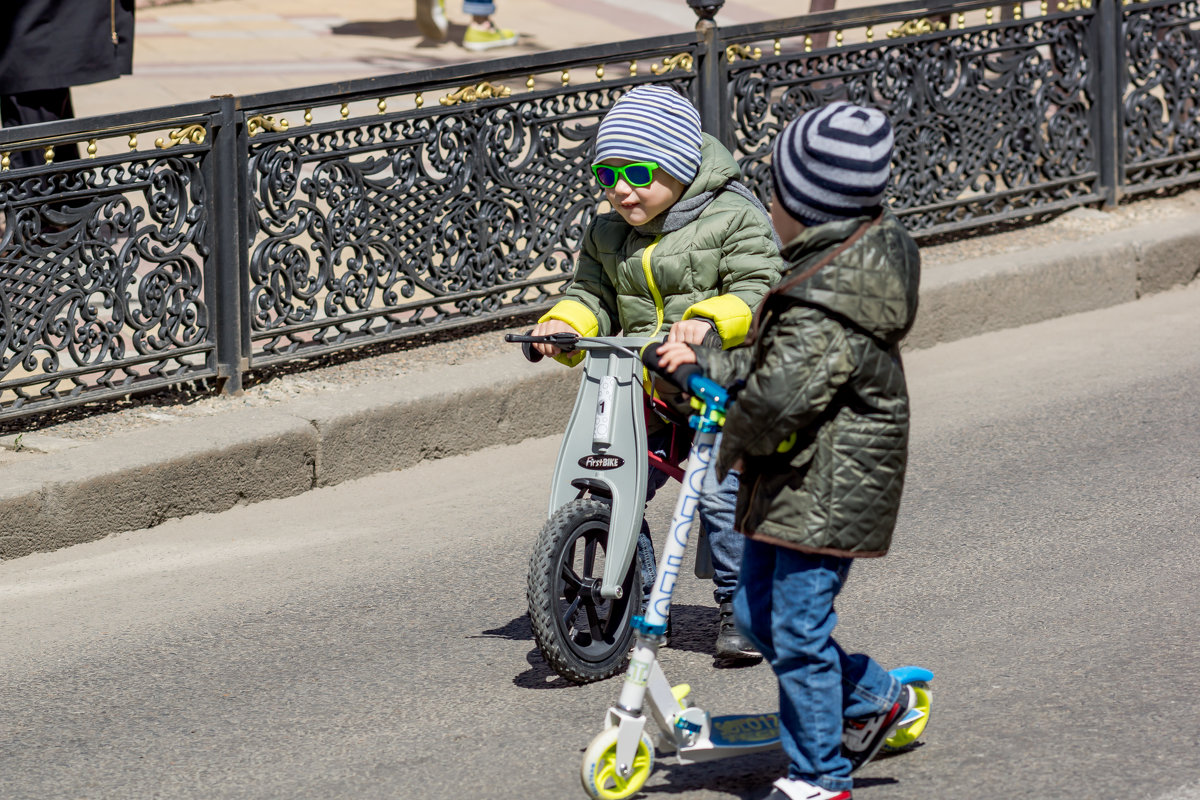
(652, 123)
(833, 163)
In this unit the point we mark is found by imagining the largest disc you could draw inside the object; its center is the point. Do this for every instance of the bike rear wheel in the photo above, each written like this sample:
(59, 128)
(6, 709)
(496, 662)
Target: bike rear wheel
(583, 636)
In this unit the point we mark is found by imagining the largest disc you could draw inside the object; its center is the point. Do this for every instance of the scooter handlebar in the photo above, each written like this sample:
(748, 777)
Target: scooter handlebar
(688, 377)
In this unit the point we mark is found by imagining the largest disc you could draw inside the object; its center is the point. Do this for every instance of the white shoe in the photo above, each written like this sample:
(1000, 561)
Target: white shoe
(795, 789)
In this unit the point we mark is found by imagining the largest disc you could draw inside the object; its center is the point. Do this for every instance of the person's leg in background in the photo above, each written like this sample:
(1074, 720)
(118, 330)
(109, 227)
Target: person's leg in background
(431, 19)
(482, 32)
(28, 108)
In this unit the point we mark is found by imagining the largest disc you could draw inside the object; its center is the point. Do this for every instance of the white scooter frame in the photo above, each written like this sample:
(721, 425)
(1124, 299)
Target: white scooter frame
(619, 760)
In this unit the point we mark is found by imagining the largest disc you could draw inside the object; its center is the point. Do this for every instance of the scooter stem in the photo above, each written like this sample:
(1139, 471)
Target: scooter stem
(633, 692)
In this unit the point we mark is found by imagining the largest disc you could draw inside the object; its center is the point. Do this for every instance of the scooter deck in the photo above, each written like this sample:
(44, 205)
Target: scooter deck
(732, 735)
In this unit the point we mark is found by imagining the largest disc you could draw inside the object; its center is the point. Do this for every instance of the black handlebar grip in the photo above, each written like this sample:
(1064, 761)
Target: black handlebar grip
(679, 378)
(531, 355)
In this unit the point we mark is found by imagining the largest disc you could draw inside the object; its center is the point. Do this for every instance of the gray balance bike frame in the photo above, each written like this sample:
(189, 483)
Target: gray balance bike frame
(604, 448)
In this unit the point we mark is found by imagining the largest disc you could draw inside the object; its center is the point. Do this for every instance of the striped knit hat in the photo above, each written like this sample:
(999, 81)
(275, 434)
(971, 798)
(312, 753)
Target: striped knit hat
(833, 163)
(652, 123)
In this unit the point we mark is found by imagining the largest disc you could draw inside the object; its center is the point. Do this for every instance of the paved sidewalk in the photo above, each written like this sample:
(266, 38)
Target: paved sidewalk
(190, 51)
(137, 467)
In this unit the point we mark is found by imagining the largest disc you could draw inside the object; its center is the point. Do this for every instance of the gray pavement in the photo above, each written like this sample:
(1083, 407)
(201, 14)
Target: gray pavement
(58, 490)
(73, 483)
(369, 640)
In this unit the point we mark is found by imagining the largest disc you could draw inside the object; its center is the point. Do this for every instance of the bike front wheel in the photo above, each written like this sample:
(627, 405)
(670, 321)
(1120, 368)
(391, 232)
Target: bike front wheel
(583, 636)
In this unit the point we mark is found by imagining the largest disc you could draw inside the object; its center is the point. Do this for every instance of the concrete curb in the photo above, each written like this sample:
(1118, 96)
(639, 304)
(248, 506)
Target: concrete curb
(139, 479)
(1012, 289)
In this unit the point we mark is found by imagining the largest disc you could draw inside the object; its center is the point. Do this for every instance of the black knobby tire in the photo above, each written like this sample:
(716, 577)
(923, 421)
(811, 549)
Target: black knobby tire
(583, 637)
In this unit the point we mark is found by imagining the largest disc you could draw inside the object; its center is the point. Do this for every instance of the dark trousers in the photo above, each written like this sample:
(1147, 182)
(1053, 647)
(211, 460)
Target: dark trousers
(43, 105)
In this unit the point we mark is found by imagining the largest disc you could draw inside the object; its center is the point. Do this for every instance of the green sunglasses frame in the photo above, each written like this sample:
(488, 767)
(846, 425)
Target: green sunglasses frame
(652, 165)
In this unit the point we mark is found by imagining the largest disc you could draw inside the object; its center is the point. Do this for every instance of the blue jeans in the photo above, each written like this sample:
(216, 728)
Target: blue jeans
(475, 8)
(784, 604)
(718, 501)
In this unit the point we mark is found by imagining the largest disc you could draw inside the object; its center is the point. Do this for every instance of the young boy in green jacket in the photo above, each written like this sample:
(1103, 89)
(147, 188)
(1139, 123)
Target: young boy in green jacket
(820, 428)
(686, 250)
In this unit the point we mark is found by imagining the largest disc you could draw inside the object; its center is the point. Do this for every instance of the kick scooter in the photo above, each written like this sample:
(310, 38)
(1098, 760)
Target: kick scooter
(584, 583)
(650, 712)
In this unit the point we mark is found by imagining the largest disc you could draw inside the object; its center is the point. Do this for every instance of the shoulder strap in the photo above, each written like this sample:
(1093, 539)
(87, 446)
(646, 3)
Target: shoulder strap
(796, 280)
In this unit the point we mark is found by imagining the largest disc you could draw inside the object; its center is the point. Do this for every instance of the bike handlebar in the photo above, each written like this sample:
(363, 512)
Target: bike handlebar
(688, 377)
(563, 341)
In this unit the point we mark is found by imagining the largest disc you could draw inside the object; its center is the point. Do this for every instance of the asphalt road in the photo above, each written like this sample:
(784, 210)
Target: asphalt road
(369, 640)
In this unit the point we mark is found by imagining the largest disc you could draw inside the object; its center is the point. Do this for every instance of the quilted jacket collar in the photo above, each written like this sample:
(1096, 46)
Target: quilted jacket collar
(871, 284)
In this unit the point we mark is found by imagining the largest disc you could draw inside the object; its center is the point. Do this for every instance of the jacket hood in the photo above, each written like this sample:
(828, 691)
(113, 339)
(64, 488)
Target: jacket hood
(871, 284)
(717, 168)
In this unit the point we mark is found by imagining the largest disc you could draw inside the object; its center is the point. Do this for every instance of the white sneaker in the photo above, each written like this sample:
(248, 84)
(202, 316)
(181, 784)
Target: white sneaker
(795, 789)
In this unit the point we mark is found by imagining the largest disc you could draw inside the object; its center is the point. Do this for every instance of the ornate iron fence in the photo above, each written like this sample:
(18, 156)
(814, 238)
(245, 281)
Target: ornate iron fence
(275, 227)
(105, 269)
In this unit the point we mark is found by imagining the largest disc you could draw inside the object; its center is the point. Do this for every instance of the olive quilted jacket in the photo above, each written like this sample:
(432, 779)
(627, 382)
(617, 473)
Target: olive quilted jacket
(641, 281)
(820, 420)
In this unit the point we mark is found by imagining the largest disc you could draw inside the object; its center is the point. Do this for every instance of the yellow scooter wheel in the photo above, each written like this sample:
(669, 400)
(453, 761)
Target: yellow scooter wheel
(907, 736)
(599, 774)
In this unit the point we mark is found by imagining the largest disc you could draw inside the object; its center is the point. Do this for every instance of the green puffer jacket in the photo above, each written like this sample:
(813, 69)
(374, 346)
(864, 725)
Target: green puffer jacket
(820, 421)
(717, 266)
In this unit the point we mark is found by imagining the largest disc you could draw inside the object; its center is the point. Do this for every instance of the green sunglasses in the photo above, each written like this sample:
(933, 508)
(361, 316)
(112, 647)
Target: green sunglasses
(638, 175)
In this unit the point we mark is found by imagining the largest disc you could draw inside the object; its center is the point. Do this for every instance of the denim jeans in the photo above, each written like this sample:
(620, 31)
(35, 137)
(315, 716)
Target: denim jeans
(784, 604)
(718, 501)
(475, 8)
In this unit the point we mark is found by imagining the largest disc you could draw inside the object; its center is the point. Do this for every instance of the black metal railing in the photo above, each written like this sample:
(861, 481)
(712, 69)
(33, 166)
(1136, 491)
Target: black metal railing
(211, 239)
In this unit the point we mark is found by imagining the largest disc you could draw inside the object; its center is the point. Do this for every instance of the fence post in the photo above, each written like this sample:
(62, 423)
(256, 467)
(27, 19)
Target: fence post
(229, 298)
(713, 116)
(1109, 39)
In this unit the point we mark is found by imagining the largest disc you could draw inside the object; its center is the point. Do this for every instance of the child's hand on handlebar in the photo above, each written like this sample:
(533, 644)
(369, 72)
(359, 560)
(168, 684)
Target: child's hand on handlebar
(690, 331)
(548, 328)
(673, 355)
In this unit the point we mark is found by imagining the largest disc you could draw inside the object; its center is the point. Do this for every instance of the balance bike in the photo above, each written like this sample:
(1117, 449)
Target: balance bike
(584, 582)
(650, 712)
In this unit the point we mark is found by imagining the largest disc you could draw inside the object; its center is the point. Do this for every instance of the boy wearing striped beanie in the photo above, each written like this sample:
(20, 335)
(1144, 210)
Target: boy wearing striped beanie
(820, 429)
(686, 251)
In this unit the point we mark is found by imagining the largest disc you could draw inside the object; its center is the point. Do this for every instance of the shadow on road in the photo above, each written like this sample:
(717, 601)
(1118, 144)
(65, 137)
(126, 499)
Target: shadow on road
(396, 29)
(518, 630)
